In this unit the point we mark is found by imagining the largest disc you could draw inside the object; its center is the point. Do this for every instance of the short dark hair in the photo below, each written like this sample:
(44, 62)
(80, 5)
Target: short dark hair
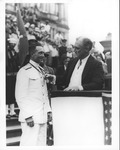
(64, 40)
(32, 45)
(33, 42)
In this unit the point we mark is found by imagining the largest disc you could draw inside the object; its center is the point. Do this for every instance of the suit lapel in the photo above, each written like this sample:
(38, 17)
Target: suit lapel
(87, 67)
(72, 67)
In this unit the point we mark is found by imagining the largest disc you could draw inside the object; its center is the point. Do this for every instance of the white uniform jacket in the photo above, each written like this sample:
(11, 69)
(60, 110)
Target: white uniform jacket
(31, 94)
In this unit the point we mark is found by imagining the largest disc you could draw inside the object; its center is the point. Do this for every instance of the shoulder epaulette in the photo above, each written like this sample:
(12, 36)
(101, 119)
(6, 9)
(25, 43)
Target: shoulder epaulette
(28, 68)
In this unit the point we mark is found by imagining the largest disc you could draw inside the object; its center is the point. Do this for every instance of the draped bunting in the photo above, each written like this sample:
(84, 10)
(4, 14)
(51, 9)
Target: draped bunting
(107, 116)
(107, 119)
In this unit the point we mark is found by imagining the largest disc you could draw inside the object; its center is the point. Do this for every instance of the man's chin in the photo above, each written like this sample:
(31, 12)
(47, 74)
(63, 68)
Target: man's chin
(41, 64)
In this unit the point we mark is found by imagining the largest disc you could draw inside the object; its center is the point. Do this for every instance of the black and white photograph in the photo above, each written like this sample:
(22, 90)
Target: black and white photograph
(60, 74)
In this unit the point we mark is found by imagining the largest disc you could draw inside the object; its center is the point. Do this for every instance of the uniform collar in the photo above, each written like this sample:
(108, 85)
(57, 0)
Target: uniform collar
(34, 63)
(37, 66)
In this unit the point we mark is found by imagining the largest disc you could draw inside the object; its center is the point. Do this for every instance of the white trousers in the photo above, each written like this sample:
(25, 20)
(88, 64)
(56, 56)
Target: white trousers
(12, 109)
(33, 136)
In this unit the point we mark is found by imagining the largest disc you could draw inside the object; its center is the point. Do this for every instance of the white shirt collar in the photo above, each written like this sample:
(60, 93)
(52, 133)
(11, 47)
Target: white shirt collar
(81, 62)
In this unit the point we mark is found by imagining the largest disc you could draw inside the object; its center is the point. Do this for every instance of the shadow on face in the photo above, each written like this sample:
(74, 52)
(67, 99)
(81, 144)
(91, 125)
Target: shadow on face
(39, 55)
(83, 47)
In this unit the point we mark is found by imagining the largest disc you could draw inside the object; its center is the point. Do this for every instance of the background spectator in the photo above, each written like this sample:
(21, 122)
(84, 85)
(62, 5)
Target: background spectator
(12, 66)
(108, 58)
(62, 49)
(47, 26)
(104, 64)
(61, 71)
(58, 38)
(70, 51)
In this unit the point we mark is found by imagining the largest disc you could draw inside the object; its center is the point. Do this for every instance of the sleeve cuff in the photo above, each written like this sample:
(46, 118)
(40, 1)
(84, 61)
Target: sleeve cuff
(54, 79)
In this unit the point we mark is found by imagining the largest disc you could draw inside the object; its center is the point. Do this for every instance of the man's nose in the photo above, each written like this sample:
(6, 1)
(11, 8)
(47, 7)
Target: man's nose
(42, 54)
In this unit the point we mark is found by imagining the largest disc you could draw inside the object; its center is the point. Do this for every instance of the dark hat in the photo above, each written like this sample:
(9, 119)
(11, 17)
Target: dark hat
(33, 42)
(47, 21)
(64, 40)
(46, 54)
(64, 57)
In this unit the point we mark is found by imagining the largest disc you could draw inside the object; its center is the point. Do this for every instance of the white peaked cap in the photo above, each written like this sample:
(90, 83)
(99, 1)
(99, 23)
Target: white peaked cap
(32, 25)
(40, 48)
(27, 24)
(31, 37)
(37, 29)
(12, 40)
(98, 47)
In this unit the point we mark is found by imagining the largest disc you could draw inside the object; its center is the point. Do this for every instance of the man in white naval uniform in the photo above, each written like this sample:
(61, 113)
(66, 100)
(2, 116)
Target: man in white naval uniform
(32, 99)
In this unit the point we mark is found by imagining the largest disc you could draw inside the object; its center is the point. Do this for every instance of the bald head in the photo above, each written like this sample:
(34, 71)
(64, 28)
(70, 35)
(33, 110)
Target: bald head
(83, 46)
(84, 42)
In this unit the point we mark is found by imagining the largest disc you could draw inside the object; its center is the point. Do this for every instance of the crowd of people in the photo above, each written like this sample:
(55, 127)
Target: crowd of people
(61, 67)
(40, 30)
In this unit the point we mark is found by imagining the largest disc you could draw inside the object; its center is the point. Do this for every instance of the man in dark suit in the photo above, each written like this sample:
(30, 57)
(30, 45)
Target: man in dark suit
(62, 49)
(61, 70)
(83, 72)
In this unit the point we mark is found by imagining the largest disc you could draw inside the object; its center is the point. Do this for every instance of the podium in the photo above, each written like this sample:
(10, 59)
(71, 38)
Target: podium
(78, 118)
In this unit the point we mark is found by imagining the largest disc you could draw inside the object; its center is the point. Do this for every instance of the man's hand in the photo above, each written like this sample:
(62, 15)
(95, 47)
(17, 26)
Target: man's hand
(49, 116)
(51, 78)
(30, 122)
(74, 88)
(67, 89)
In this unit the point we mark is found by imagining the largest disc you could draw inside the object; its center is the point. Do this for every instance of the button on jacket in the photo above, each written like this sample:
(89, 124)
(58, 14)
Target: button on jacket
(31, 93)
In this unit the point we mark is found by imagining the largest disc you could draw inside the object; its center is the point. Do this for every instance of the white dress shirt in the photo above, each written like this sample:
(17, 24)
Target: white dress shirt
(47, 28)
(76, 77)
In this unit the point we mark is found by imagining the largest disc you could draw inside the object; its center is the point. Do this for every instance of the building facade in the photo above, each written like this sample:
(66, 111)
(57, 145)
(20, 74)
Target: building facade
(55, 13)
(107, 43)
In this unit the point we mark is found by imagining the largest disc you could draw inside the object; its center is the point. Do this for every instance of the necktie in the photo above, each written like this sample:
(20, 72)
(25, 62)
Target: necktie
(80, 62)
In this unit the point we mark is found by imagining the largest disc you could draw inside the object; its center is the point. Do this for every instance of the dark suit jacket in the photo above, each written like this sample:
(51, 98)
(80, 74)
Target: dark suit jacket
(92, 77)
(60, 74)
(62, 50)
